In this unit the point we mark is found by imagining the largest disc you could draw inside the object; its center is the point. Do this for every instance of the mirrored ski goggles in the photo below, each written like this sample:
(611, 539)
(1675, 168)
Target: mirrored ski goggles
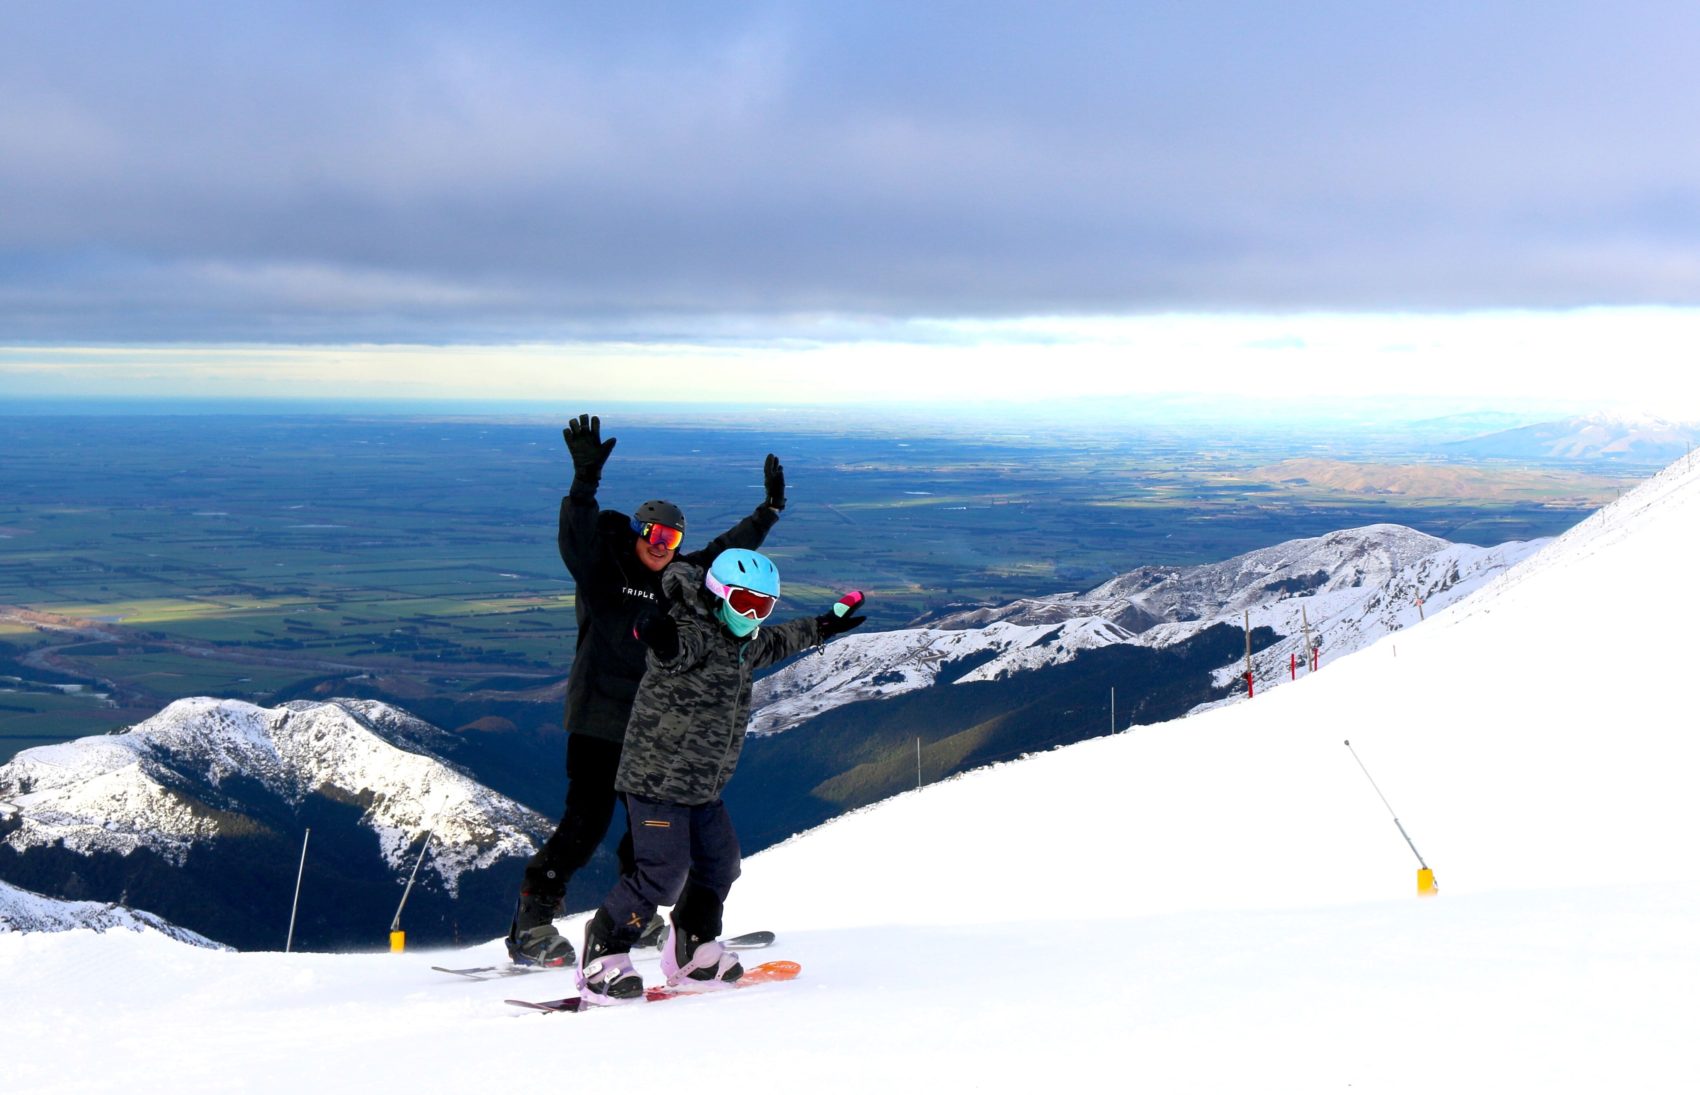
(661, 536)
(747, 602)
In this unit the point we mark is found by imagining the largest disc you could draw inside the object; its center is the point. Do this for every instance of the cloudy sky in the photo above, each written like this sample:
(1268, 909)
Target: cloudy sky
(865, 199)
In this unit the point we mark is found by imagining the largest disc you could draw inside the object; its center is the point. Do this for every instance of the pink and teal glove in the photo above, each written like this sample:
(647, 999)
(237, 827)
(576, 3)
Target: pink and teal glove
(840, 619)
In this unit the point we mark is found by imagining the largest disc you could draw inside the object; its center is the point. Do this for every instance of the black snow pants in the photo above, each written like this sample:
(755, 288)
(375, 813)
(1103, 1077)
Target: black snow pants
(683, 856)
(591, 764)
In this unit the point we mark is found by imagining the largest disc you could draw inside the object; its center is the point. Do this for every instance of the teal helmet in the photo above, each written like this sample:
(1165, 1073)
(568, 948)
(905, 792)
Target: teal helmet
(740, 568)
(747, 584)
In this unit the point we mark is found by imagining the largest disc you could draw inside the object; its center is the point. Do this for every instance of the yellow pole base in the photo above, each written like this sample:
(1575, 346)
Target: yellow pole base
(1426, 886)
(398, 942)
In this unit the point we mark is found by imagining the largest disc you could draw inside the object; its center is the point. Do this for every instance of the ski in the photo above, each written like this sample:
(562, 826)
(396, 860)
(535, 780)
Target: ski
(749, 941)
(491, 973)
(766, 973)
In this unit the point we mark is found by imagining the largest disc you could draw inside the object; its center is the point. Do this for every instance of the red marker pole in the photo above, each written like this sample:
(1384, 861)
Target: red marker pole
(1293, 665)
(1250, 690)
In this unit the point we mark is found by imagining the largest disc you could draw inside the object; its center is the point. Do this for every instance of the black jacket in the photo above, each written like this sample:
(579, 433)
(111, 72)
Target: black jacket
(613, 588)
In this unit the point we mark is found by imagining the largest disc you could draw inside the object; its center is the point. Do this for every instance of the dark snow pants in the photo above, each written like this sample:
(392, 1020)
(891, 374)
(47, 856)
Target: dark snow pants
(591, 764)
(684, 856)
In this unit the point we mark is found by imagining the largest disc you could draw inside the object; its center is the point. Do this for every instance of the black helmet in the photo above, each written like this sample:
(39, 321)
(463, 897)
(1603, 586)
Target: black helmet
(658, 512)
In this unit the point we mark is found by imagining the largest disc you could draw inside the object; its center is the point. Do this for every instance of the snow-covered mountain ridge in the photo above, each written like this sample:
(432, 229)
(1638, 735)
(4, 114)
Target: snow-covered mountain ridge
(23, 911)
(1354, 586)
(181, 776)
(1629, 437)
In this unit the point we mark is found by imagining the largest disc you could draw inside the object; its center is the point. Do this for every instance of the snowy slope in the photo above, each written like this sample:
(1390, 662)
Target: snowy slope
(23, 911)
(1221, 903)
(1344, 620)
(1354, 586)
(167, 783)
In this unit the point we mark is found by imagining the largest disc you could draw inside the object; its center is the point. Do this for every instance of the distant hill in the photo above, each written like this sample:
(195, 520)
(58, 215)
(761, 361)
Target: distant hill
(23, 911)
(1354, 586)
(198, 815)
(1613, 438)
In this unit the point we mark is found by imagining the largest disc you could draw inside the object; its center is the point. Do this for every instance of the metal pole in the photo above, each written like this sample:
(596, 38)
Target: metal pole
(917, 763)
(395, 925)
(1389, 806)
(1250, 688)
(1112, 708)
(299, 871)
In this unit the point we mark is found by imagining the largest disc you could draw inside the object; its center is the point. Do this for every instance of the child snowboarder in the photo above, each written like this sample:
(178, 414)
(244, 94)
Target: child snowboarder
(682, 744)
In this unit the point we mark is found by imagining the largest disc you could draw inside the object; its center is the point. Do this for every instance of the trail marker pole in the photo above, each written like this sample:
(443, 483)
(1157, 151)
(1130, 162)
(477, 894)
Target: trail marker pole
(917, 762)
(1426, 886)
(296, 904)
(398, 938)
(1112, 708)
(1250, 687)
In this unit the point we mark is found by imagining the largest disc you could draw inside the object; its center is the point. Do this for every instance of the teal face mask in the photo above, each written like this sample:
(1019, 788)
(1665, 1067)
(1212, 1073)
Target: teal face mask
(736, 622)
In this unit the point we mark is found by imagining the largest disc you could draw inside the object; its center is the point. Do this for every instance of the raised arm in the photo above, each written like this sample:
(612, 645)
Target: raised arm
(576, 535)
(752, 530)
(775, 644)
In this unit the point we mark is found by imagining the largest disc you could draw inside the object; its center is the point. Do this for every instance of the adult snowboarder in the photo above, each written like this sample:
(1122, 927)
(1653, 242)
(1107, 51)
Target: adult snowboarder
(616, 562)
(682, 745)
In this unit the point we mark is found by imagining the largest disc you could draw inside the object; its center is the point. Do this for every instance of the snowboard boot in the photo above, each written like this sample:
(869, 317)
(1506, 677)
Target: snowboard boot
(692, 961)
(653, 933)
(605, 973)
(533, 939)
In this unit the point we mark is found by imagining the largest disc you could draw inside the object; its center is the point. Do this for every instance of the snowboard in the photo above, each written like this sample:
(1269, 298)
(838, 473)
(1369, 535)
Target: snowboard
(766, 973)
(748, 942)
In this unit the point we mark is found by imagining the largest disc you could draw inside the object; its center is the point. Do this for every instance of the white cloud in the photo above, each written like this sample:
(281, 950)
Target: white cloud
(1642, 358)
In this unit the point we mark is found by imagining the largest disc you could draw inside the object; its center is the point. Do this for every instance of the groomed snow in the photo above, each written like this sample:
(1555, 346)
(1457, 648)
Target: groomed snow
(1217, 904)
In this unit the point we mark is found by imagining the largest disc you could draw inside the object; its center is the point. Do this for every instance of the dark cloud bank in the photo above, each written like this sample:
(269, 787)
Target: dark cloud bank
(427, 172)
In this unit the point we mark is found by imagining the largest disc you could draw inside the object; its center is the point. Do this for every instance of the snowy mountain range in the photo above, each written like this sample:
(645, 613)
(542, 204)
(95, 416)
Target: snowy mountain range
(1352, 587)
(209, 786)
(1614, 437)
(23, 911)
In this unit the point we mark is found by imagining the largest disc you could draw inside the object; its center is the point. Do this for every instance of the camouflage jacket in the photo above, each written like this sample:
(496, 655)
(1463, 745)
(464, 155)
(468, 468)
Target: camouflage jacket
(687, 724)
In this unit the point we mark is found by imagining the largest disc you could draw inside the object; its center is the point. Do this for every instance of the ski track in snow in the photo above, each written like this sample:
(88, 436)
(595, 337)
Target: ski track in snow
(1220, 903)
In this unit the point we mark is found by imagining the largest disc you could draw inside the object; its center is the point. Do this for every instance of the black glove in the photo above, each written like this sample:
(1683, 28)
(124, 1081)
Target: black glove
(774, 473)
(656, 629)
(840, 620)
(584, 441)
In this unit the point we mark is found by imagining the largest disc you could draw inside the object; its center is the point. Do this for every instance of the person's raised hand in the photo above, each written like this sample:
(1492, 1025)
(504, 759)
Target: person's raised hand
(584, 441)
(842, 617)
(773, 474)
